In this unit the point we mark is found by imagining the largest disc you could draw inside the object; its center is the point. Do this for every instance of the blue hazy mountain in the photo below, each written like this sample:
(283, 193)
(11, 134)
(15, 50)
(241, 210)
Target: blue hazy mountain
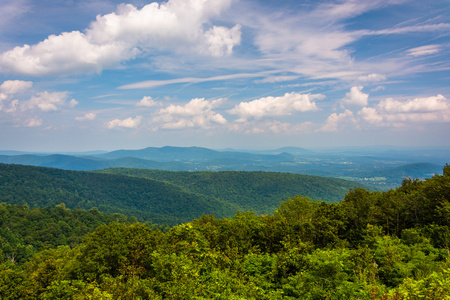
(379, 166)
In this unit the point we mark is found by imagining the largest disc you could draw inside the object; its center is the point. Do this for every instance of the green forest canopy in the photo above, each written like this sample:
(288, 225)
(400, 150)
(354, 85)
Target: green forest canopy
(163, 196)
(372, 245)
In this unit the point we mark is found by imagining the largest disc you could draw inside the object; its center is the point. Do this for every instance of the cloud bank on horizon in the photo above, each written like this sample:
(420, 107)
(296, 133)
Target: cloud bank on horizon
(223, 73)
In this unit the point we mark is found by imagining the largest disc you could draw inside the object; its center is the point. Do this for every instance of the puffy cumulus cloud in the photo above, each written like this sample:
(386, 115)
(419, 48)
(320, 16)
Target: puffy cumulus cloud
(370, 114)
(11, 87)
(417, 105)
(221, 40)
(196, 113)
(87, 117)
(276, 106)
(126, 123)
(390, 111)
(33, 123)
(43, 101)
(147, 101)
(46, 101)
(334, 121)
(355, 97)
(374, 77)
(70, 52)
(424, 50)
(178, 25)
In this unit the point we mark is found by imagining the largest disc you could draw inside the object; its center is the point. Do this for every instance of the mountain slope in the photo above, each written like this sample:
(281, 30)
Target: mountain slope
(147, 199)
(260, 192)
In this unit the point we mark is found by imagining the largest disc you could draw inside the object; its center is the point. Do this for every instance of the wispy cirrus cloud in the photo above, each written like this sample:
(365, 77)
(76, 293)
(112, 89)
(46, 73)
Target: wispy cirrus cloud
(372, 77)
(424, 50)
(191, 80)
(10, 10)
(406, 29)
(317, 43)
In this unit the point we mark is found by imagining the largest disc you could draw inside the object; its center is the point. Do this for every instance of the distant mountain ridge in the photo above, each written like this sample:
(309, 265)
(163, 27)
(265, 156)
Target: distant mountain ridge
(169, 153)
(377, 167)
(165, 158)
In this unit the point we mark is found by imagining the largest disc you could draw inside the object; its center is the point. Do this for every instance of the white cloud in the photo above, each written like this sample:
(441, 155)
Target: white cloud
(12, 87)
(355, 97)
(33, 123)
(378, 88)
(88, 116)
(178, 25)
(334, 121)
(316, 42)
(46, 101)
(407, 29)
(13, 105)
(391, 112)
(429, 104)
(43, 101)
(126, 123)
(276, 106)
(9, 10)
(197, 113)
(73, 103)
(70, 52)
(424, 50)
(374, 77)
(147, 101)
(370, 114)
(156, 83)
(221, 40)
(274, 79)
(9, 88)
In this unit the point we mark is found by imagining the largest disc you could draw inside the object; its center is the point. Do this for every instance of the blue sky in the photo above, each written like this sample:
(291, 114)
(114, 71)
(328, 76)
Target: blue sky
(98, 74)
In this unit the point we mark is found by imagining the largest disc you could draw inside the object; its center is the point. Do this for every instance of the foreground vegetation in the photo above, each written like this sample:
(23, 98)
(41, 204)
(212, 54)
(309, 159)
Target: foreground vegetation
(372, 245)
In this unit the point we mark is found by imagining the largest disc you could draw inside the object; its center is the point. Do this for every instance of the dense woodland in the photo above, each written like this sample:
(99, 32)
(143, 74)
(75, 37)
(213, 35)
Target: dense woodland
(163, 197)
(371, 245)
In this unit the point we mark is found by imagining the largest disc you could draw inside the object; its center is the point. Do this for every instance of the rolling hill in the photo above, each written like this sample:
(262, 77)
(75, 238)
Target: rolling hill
(260, 192)
(162, 196)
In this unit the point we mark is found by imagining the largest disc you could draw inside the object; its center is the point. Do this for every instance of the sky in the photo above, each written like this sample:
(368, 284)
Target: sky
(82, 75)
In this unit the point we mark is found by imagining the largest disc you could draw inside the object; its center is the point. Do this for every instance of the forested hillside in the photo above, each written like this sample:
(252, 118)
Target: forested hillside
(146, 199)
(162, 197)
(259, 192)
(372, 245)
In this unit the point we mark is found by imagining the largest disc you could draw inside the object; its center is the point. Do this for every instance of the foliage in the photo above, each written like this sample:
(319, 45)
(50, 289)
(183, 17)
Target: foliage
(372, 245)
(259, 192)
(24, 231)
(146, 199)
